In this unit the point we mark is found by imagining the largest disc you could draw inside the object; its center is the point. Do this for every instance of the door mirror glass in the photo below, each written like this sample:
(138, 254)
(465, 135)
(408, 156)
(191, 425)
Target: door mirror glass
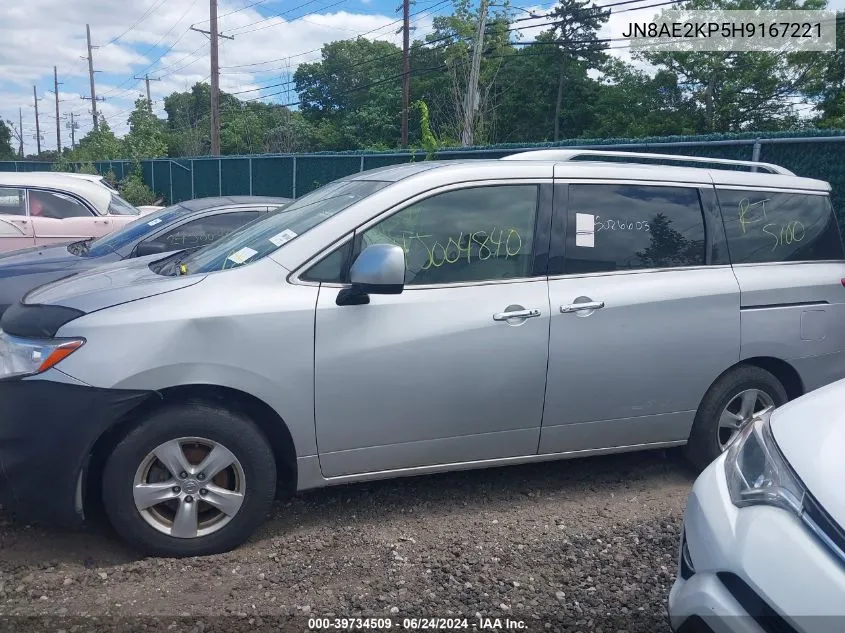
(379, 269)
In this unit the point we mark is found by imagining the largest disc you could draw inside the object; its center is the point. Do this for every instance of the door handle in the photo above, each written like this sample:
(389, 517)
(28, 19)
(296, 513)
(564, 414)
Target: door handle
(20, 221)
(516, 314)
(577, 307)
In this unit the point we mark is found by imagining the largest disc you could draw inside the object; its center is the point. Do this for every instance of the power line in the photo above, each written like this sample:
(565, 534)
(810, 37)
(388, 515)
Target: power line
(143, 17)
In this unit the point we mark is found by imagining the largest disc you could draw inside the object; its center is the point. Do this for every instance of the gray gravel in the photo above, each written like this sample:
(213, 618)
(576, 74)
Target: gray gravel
(583, 545)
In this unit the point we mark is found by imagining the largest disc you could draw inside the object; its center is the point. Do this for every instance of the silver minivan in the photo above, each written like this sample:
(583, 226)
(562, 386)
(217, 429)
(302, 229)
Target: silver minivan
(419, 318)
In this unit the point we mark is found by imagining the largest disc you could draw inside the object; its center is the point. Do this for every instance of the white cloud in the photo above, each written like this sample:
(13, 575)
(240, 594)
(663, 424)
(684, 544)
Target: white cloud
(161, 44)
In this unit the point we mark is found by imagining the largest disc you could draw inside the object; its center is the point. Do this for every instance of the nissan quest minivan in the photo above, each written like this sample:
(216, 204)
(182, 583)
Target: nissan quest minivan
(419, 318)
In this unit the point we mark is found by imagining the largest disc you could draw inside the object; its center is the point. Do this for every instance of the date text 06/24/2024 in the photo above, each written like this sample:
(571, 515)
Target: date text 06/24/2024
(427, 624)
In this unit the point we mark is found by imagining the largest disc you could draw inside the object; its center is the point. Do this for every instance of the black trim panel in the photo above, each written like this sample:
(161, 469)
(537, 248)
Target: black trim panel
(47, 431)
(762, 612)
(36, 321)
(794, 304)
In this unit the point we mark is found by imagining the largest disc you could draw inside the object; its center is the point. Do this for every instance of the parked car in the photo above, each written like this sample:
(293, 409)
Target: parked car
(763, 542)
(45, 208)
(421, 318)
(145, 208)
(187, 225)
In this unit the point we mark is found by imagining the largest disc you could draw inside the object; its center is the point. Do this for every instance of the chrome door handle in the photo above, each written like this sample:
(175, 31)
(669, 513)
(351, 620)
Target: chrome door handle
(577, 307)
(516, 314)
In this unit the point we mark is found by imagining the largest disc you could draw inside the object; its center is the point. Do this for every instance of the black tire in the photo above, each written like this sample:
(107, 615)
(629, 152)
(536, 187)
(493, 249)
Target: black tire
(194, 419)
(703, 446)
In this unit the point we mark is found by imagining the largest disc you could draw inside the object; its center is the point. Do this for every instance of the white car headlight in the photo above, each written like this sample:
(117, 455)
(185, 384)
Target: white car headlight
(25, 357)
(757, 473)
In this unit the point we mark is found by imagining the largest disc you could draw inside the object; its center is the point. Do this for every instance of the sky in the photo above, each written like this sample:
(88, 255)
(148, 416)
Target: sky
(271, 38)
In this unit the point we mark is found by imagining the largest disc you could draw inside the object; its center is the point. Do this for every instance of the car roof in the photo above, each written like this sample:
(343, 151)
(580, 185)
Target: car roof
(528, 167)
(95, 193)
(201, 204)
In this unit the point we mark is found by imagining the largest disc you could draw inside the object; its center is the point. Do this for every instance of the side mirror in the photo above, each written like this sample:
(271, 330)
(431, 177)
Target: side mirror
(151, 248)
(379, 269)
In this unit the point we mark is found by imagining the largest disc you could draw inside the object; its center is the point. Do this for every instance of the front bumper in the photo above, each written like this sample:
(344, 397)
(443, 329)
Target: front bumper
(47, 430)
(756, 569)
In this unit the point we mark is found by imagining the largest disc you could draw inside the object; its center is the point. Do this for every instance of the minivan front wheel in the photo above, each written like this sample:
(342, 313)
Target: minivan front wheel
(190, 480)
(727, 407)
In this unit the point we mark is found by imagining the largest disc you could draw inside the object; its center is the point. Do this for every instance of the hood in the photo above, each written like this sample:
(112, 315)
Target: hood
(109, 285)
(38, 259)
(810, 432)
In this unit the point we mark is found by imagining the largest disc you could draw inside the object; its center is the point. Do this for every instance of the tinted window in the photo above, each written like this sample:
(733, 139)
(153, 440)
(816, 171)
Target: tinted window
(625, 227)
(767, 226)
(134, 231)
(58, 206)
(330, 269)
(266, 235)
(204, 231)
(474, 234)
(12, 201)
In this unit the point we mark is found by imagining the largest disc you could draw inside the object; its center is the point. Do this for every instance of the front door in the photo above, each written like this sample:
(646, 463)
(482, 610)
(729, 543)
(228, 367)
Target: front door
(643, 318)
(15, 225)
(60, 217)
(453, 369)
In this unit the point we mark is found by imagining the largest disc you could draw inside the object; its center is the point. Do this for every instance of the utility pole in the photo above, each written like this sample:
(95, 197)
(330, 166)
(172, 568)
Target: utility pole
(406, 68)
(37, 126)
(471, 100)
(58, 123)
(214, 36)
(215, 82)
(147, 80)
(91, 79)
(72, 125)
(20, 130)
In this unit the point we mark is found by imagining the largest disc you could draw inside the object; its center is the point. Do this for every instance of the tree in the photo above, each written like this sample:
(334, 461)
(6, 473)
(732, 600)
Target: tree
(827, 86)
(146, 137)
(101, 144)
(576, 28)
(453, 39)
(740, 91)
(7, 152)
(355, 90)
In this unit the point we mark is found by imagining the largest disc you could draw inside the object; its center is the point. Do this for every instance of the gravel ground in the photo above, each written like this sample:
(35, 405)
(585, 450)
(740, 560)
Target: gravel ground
(582, 545)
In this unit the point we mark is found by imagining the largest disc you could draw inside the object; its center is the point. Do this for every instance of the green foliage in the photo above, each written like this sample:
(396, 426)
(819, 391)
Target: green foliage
(134, 190)
(7, 152)
(429, 142)
(146, 138)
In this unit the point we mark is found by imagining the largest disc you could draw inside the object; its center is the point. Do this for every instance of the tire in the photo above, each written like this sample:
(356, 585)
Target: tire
(245, 488)
(707, 438)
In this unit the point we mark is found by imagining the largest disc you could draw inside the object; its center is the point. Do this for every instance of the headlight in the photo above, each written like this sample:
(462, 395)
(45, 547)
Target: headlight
(25, 357)
(757, 473)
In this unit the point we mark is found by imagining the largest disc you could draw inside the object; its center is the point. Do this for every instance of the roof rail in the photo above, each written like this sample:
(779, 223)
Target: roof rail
(570, 154)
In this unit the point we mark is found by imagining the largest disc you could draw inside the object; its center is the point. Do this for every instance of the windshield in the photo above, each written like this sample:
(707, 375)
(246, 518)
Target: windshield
(129, 234)
(119, 206)
(261, 238)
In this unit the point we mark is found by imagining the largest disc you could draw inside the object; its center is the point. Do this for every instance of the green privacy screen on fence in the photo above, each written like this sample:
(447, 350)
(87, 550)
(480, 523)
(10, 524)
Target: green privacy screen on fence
(811, 153)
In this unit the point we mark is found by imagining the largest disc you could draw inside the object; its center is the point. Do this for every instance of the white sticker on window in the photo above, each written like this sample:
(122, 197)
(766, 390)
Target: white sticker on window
(239, 257)
(585, 230)
(285, 236)
(154, 222)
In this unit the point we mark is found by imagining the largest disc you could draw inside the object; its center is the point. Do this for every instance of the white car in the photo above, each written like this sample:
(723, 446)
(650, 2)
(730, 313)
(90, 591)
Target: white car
(763, 543)
(38, 208)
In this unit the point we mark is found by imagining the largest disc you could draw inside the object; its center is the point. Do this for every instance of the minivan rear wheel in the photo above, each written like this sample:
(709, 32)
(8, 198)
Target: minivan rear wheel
(189, 480)
(727, 407)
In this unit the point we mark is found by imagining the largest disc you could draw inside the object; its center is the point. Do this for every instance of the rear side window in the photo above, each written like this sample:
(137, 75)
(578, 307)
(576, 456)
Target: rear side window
(770, 226)
(12, 201)
(625, 227)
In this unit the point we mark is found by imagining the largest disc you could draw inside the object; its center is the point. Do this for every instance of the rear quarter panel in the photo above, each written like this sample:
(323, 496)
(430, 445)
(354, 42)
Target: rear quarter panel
(795, 312)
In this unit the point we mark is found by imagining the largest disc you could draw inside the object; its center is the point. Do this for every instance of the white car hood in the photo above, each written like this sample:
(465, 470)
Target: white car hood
(810, 433)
